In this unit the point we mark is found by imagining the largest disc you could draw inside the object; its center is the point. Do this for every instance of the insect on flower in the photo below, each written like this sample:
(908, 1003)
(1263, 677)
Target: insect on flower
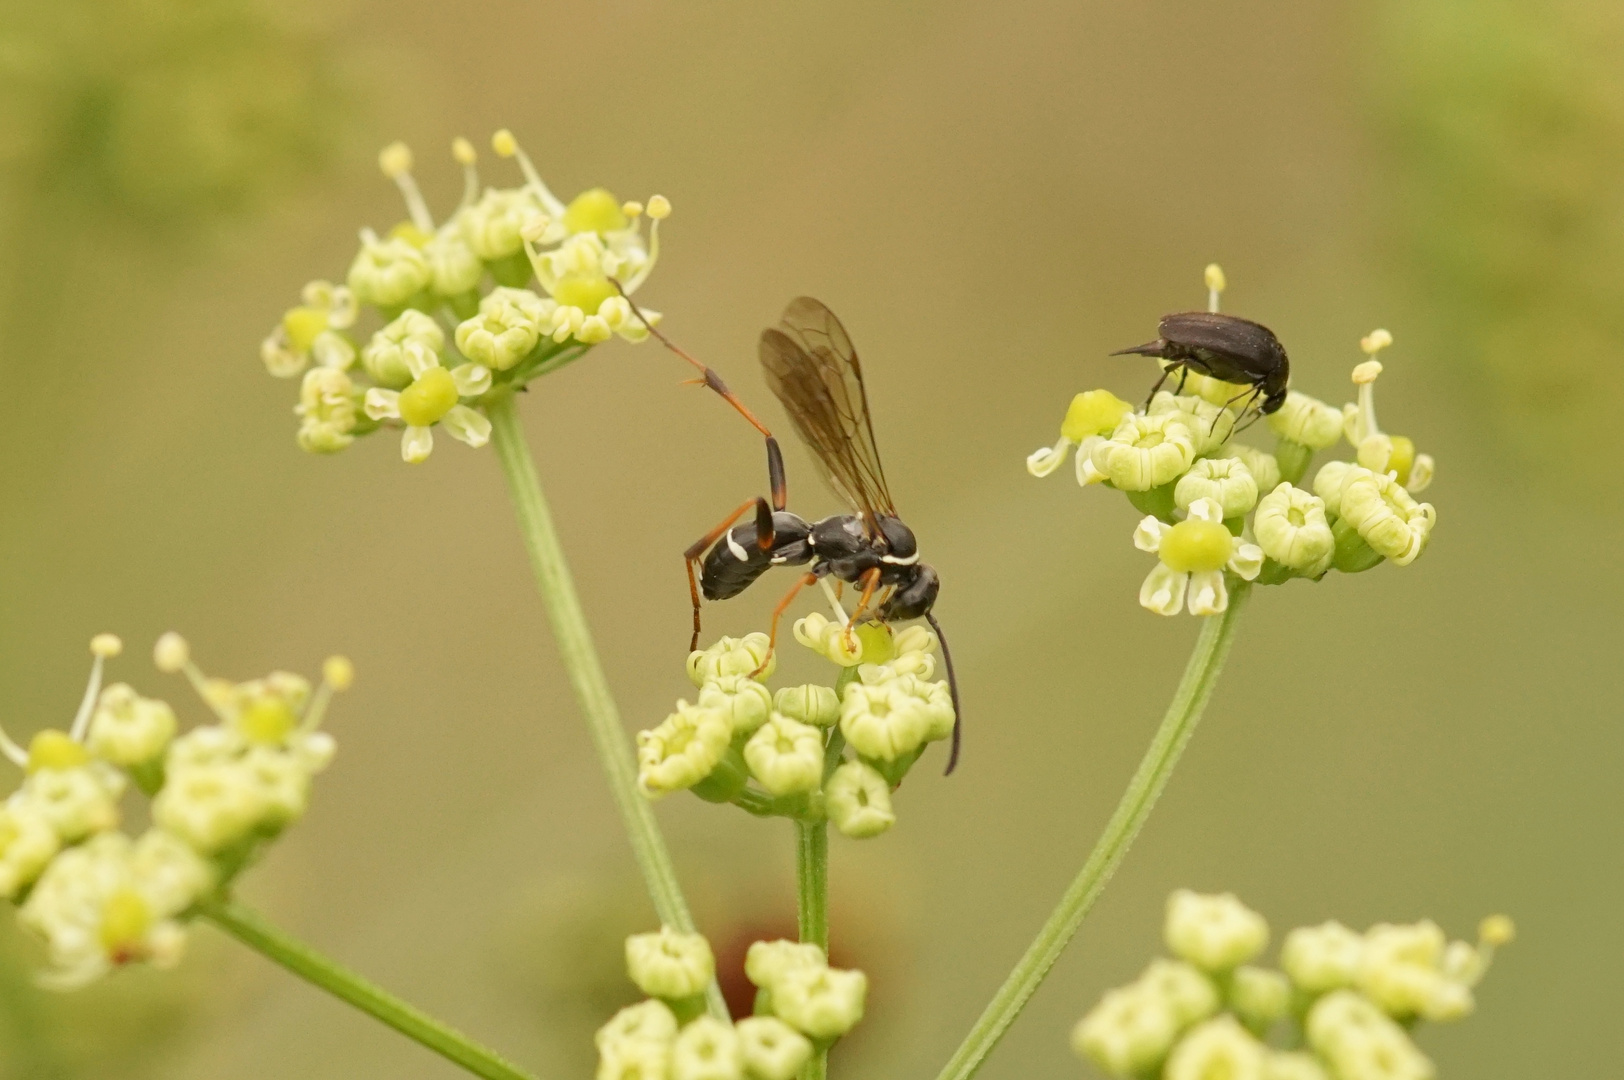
(813, 369)
(1225, 348)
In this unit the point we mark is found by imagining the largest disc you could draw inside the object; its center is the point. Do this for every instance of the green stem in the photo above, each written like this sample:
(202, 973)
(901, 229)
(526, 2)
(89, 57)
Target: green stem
(1195, 688)
(586, 673)
(812, 909)
(259, 935)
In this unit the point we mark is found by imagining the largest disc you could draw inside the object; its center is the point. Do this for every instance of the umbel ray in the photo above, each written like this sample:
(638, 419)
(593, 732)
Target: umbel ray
(812, 367)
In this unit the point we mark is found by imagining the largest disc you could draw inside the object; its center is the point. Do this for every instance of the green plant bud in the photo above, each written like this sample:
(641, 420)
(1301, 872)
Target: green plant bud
(1145, 452)
(1129, 1033)
(682, 751)
(810, 704)
(885, 722)
(786, 756)
(1188, 992)
(1218, 1049)
(385, 356)
(1216, 932)
(1386, 516)
(387, 273)
(647, 1021)
(821, 1003)
(732, 656)
(765, 962)
(1259, 996)
(75, 802)
(1264, 467)
(634, 1060)
(128, 729)
(858, 801)
(209, 806)
(1322, 958)
(1360, 1042)
(1307, 421)
(27, 845)
(493, 227)
(1402, 971)
(1291, 528)
(670, 965)
(1227, 481)
(509, 323)
(771, 1049)
(707, 1049)
(745, 702)
(1210, 423)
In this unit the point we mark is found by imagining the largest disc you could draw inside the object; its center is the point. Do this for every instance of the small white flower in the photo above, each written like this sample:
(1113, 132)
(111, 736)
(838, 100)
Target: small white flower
(1193, 555)
(128, 729)
(1384, 513)
(745, 702)
(858, 801)
(507, 327)
(1322, 958)
(1291, 529)
(885, 722)
(822, 1003)
(1360, 1042)
(647, 1021)
(77, 802)
(454, 269)
(1402, 970)
(707, 1049)
(327, 411)
(810, 704)
(1184, 987)
(1210, 423)
(1219, 1049)
(1215, 933)
(682, 750)
(1227, 481)
(210, 806)
(732, 656)
(493, 227)
(312, 331)
(786, 756)
(668, 964)
(1259, 996)
(1264, 466)
(432, 398)
(1307, 421)
(634, 1060)
(1145, 451)
(771, 1049)
(27, 845)
(1128, 1033)
(387, 273)
(385, 355)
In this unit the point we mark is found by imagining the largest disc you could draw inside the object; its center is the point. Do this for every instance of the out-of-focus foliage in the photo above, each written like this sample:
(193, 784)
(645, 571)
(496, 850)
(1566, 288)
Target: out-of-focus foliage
(1504, 122)
(174, 114)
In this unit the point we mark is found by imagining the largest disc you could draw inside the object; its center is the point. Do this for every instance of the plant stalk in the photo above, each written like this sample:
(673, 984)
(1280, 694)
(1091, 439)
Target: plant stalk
(586, 675)
(812, 909)
(252, 930)
(1183, 713)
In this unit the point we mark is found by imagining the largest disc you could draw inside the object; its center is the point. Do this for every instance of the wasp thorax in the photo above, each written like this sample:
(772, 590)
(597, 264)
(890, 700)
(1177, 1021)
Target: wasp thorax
(899, 539)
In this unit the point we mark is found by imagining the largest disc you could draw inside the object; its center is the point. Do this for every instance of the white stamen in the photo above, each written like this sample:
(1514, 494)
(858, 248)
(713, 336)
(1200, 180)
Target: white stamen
(81, 721)
(17, 754)
(464, 152)
(396, 162)
(506, 145)
(834, 601)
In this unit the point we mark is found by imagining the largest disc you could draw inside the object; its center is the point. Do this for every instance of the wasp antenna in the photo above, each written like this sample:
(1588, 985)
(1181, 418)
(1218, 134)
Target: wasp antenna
(953, 689)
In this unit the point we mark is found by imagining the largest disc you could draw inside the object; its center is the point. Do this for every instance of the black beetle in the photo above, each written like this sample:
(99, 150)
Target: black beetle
(1225, 348)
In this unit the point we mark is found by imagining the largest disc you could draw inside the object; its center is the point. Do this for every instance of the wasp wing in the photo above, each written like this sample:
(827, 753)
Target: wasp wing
(812, 367)
(1251, 347)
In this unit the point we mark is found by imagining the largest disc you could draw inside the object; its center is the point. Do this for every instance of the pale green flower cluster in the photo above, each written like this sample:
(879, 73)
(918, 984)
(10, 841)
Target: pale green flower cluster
(801, 1004)
(515, 284)
(1217, 510)
(810, 752)
(99, 898)
(1345, 1003)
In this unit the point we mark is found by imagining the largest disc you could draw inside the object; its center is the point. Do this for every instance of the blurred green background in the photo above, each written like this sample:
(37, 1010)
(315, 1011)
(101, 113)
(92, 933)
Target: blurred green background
(992, 197)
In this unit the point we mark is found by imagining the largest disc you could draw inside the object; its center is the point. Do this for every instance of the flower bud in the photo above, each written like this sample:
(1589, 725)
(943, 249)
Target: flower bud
(493, 227)
(1145, 452)
(682, 751)
(171, 653)
(128, 729)
(454, 269)
(771, 1049)
(1401, 970)
(1128, 1033)
(1291, 529)
(634, 1060)
(745, 702)
(1219, 1049)
(1215, 933)
(732, 656)
(1226, 481)
(1210, 423)
(786, 756)
(27, 845)
(387, 273)
(1307, 421)
(1188, 992)
(647, 1021)
(1259, 996)
(766, 962)
(1322, 958)
(507, 327)
(810, 704)
(822, 1002)
(1263, 466)
(670, 965)
(707, 1049)
(386, 358)
(76, 802)
(1358, 1040)
(884, 722)
(209, 806)
(858, 801)
(326, 410)
(1386, 516)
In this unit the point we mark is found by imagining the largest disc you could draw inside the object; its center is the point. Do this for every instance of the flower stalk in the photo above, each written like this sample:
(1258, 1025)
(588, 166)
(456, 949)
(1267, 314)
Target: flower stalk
(1183, 713)
(812, 910)
(580, 656)
(253, 931)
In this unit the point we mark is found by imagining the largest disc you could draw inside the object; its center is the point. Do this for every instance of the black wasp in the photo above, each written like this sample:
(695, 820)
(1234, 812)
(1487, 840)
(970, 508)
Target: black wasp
(812, 367)
(1225, 348)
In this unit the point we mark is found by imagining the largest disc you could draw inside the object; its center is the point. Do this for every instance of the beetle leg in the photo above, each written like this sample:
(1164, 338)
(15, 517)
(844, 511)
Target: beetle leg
(871, 582)
(1251, 396)
(1177, 365)
(778, 612)
(1184, 374)
(696, 550)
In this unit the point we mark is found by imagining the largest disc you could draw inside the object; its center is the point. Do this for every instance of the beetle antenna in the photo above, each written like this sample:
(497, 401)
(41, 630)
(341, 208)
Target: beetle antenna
(953, 689)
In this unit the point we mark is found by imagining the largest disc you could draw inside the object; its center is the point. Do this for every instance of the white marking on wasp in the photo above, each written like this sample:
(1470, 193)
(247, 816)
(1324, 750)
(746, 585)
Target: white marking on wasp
(737, 548)
(894, 561)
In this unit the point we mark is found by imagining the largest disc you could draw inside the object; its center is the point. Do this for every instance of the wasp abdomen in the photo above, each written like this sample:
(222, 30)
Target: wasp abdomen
(738, 558)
